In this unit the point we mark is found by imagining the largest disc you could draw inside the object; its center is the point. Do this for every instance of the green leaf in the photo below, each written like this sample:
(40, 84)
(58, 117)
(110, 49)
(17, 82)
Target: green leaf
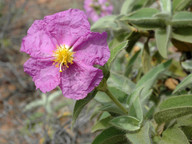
(174, 136)
(170, 114)
(179, 5)
(110, 136)
(162, 39)
(182, 19)
(152, 74)
(164, 16)
(146, 58)
(101, 97)
(143, 89)
(114, 42)
(115, 51)
(150, 112)
(188, 131)
(141, 13)
(135, 108)
(127, 6)
(187, 65)
(144, 18)
(174, 107)
(148, 2)
(176, 69)
(166, 6)
(141, 136)
(111, 108)
(80, 104)
(120, 82)
(186, 82)
(102, 124)
(183, 34)
(104, 115)
(131, 63)
(162, 35)
(127, 123)
(184, 121)
(176, 101)
(132, 5)
(106, 22)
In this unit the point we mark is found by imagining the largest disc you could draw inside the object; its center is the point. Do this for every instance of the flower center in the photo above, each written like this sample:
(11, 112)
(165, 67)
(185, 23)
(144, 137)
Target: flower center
(63, 56)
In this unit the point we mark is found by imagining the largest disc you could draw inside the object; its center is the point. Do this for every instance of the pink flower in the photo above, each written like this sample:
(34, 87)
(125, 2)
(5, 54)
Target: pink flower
(96, 9)
(63, 51)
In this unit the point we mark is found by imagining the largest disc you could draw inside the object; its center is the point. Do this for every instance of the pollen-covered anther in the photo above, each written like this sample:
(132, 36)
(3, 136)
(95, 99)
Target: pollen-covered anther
(63, 56)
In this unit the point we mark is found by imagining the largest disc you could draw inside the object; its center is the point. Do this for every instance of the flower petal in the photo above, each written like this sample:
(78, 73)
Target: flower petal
(61, 28)
(38, 45)
(79, 80)
(45, 75)
(92, 49)
(67, 26)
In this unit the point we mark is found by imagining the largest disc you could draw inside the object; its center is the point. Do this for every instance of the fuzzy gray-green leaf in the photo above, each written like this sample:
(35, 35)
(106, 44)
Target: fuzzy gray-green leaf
(144, 18)
(183, 34)
(110, 136)
(116, 50)
(105, 23)
(182, 19)
(179, 5)
(141, 136)
(162, 39)
(80, 104)
(173, 136)
(127, 123)
(102, 124)
(186, 82)
(174, 107)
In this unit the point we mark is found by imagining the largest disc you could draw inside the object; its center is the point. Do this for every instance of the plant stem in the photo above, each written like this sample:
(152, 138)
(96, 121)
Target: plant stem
(143, 33)
(116, 101)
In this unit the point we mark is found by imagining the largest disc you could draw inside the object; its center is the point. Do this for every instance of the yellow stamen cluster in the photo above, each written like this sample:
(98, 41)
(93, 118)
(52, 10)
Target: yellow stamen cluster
(63, 56)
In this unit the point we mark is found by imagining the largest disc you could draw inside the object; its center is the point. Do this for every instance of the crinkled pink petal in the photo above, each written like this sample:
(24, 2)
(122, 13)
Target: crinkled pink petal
(67, 26)
(92, 49)
(57, 29)
(45, 75)
(79, 80)
(39, 44)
